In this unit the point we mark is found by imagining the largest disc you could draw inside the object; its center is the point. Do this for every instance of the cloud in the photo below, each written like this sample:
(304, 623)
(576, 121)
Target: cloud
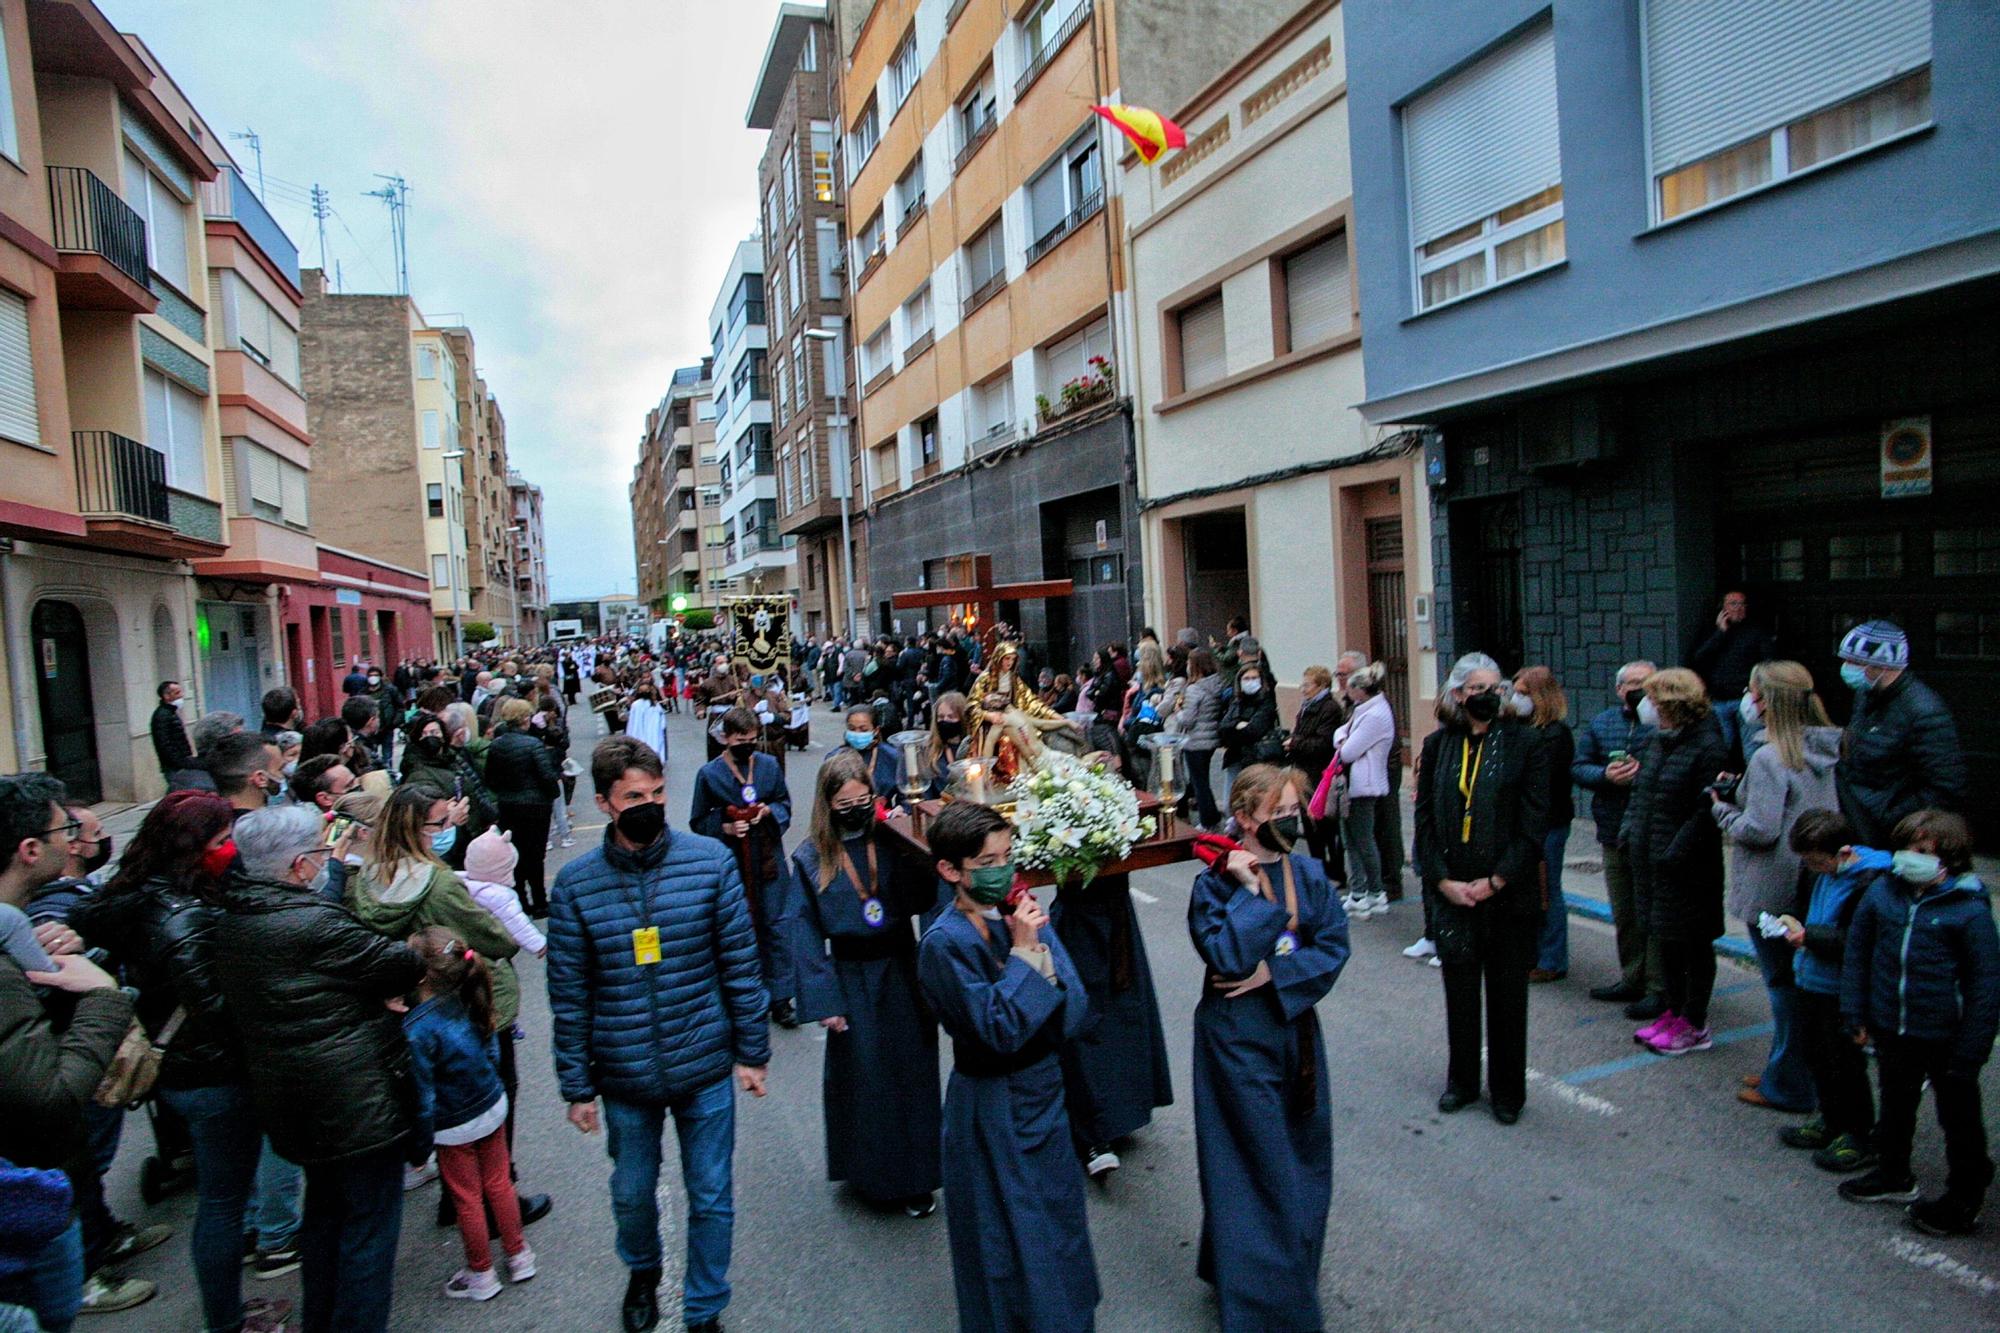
(579, 175)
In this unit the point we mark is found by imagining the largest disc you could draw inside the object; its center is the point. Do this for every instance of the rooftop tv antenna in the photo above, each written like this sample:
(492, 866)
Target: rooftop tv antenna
(395, 194)
(256, 143)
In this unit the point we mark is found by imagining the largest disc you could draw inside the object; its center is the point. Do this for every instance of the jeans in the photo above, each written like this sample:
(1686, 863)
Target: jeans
(705, 1124)
(1731, 722)
(1552, 952)
(1839, 1068)
(559, 817)
(1638, 954)
(1786, 1079)
(1903, 1064)
(354, 1217)
(1364, 854)
(51, 1282)
(280, 1200)
(1198, 762)
(226, 1142)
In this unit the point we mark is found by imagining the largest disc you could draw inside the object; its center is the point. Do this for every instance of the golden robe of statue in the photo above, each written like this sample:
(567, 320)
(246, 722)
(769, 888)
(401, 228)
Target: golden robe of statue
(1008, 721)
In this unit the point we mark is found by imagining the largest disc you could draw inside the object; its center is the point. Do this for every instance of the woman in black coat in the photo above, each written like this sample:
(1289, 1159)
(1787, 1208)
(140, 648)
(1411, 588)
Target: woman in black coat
(1481, 814)
(1247, 724)
(525, 782)
(1675, 850)
(1310, 749)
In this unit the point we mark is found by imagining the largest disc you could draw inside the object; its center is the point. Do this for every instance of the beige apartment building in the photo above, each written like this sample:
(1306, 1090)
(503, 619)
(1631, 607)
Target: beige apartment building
(489, 509)
(679, 540)
(530, 559)
(1246, 318)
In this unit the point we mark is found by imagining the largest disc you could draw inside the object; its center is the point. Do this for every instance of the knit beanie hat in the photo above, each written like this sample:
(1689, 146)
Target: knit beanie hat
(491, 858)
(1879, 643)
(34, 1209)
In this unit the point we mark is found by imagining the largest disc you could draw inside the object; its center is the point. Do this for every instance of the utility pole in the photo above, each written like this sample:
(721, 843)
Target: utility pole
(321, 207)
(256, 143)
(395, 194)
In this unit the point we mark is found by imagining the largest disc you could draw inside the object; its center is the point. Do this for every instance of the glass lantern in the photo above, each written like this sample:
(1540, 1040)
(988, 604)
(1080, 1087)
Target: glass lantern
(913, 770)
(1169, 773)
(973, 780)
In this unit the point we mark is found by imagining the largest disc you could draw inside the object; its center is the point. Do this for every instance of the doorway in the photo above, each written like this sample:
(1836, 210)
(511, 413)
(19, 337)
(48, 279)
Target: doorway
(1487, 559)
(1388, 619)
(1215, 563)
(228, 634)
(62, 684)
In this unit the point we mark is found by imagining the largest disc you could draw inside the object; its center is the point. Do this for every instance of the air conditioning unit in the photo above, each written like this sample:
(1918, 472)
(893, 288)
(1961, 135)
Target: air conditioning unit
(1571, 431)
(838, 264)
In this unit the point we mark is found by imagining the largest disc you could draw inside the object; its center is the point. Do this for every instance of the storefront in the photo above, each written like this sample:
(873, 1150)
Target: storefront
(360, 610)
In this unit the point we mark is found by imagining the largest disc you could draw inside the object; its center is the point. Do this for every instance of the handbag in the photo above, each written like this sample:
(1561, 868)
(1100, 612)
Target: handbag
(135, 1067)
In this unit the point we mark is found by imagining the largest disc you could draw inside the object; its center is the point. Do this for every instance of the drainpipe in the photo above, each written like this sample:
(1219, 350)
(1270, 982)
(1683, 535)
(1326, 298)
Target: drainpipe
(18, 664)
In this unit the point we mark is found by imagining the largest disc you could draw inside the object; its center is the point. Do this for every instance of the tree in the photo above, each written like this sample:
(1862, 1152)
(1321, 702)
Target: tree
(477, 631)
(698, 618)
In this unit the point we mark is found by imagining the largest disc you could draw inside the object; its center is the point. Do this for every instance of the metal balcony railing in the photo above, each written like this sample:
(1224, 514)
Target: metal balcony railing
(1082, 213)
(229, 196)
(90, 218)
(1052, 48)
(979, 135)
(116, 476)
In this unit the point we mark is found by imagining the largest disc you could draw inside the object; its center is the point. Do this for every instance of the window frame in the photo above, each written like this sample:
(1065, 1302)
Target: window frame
(870, 121)
(1485, 244)
(1284, 340)
(903, 81)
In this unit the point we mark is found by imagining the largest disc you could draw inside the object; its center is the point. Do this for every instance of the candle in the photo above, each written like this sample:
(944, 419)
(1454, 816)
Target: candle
(978, 775)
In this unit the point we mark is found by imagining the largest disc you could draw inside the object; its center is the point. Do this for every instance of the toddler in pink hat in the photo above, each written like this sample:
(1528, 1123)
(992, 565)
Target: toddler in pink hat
(489, 876)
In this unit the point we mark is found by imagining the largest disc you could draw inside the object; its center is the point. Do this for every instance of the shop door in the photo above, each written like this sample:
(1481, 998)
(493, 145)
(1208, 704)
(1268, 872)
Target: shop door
(1388, 619)
(62, 682)
(230, 658)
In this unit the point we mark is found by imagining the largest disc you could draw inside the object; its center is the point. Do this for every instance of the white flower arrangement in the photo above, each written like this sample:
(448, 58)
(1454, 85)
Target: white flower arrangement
(1072, 819)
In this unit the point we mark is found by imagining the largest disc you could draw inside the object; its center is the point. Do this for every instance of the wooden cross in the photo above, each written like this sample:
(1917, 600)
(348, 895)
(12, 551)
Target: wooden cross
(983, 595)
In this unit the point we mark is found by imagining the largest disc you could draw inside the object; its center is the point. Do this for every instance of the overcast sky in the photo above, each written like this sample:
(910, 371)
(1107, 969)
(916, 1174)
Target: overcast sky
(579, 173)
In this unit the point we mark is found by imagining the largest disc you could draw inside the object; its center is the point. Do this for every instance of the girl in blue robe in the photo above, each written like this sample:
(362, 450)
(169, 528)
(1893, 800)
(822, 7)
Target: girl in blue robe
(1274, 937)
(1004, 989)
(740, 779)
(864, 737)
(857, 970)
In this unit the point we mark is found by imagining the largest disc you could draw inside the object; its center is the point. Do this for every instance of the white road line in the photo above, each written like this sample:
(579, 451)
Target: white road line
(1143, 896)
(1914, 1251)
(1576, 1097)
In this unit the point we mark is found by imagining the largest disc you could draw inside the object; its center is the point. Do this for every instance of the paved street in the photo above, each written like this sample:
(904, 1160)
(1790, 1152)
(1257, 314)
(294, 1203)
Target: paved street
(1635, 1192)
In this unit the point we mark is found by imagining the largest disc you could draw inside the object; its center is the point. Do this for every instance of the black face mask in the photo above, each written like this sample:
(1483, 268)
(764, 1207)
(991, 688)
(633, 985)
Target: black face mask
(1483, 707)
(1280, 834)
(101, 858)
(742, 750)
(642, 824)
(858, 819)
(950, 728)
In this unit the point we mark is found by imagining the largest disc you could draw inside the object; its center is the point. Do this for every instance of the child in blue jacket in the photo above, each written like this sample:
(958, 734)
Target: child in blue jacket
(1922, 979)
(1841, 872)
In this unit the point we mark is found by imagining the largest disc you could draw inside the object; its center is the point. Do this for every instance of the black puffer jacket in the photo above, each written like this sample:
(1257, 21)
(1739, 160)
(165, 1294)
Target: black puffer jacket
(1246, 726)
(163, 935)
(518, 768)
(329, 1071)
(1669, 833)
(1900, 755)
(1312, 734)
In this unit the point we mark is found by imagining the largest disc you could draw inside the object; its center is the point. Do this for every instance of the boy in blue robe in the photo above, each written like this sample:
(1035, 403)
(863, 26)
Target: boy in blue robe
(740, 799)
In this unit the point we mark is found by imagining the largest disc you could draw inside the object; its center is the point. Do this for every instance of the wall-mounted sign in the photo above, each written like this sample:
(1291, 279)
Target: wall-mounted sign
(347, 596)
(1906, 457)
(1103, 535)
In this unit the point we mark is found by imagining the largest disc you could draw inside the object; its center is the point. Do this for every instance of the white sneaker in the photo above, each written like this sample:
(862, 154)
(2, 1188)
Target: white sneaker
(1436, 961)
(1102, 1161)
(467, 1285)
(416, 1177)
(1423, 948)
(1355, 905)
(1378, 904)
(521, 1267)
(569, 842)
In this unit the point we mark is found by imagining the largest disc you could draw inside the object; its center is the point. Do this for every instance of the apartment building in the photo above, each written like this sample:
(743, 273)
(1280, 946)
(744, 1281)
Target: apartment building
(1247, 330)
(676, 492)
(1672, 342)
(755, 556)
(530, 559)
(801, 195)
(489, 510)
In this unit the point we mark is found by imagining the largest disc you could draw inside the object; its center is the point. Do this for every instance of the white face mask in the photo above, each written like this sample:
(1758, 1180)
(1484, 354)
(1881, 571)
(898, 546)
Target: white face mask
(178, 702)
(1747, 710)
(1649, 716)
(1520, 704)
(1252, 686)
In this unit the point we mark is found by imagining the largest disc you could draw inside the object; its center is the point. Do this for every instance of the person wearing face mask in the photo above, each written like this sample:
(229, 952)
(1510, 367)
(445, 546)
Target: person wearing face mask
(1481, 814)
(854, 894)
(947, 742)
(1249, 724)
(1359, 784)
(1921, 979)
(1606, 761)
(304, 983)
(1537, 700)
(170, 738)
(1006, 992)
(1274, 939)
(1901, 752)
(864, 737)
(157, 920)
(1675, 853)
(248, 770)
(740, 798)
(656, 994)
(521, 773)
(431, 760)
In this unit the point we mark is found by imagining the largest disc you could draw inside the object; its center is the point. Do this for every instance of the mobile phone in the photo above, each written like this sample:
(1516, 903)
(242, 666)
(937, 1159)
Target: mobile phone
(1616, 757)
(457, 787)
(337, 827)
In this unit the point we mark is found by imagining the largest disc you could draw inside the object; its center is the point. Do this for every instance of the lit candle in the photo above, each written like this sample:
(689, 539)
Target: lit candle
(978, 775)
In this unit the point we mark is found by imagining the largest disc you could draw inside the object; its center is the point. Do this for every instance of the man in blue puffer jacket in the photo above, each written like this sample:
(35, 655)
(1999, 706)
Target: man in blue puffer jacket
(657, 995)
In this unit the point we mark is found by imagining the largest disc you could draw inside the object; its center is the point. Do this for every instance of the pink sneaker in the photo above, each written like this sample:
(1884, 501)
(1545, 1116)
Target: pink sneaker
(1644, 1036)
(1685, 1039)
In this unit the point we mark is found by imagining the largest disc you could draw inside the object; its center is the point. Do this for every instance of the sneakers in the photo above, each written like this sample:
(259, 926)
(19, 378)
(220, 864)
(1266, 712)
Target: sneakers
(1100, 1162)
(1355, 905)
(128, 1240)
(521, 1267)
(569, 841)
(1812, 1134)
(416, 1177)
(1683, 1038)
(1436, 961)
(276, 1263)
(1843, 1154)
(1377, 903)
(1423, 948)
(107, 1293)
(1878, 1188)
(466, 1285)
(1644, 1036)
(265, 1316)
(1944, 1217)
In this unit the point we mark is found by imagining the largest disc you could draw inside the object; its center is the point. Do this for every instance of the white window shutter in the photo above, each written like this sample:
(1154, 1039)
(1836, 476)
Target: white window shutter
(1719, 72)
(190, 461)
(1318, 302)
(1483, 139)
(294, 480)
(19, 419)
(266, 478)
(1204, 350)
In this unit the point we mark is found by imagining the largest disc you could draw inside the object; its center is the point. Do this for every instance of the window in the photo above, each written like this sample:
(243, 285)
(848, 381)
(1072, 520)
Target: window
(977, 115)
(903, 73)
(165, 216)
(1868, 555)
(361, 649)
(800, 373)
(1041, 31)
(806, 479)
(917, 316)
(783, 396)
(440, 571)
(875, 354)
(791, 183)
(1959, 551)
(809, 53)
(1204, 354)
(434, 495)
(258, 330)
(432, 429)
(910, 189)
(985, 263)
(822, 161)
(771, 211)
(19, 418)
(927, 441)
(1485, 172)
(10, 133)
(992, 407)
(337, 623)
(1318, 304)
(1744, 93)
(795, 267)
(826, 249)
(861, 140)
(868, 242)
(174, 428)
(778, 293)
(427, 363)
(1066, 192)
(1070, 358)
(884, 469)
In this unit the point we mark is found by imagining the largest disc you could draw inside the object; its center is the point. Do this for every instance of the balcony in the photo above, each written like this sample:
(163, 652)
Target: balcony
(228, 198)
(101, 243)
(973, 141)
(122, 493)
(1051, 49)
(1093, 203)
(914, 211)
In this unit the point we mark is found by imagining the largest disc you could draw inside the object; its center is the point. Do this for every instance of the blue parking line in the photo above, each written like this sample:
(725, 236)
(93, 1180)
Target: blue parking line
(1597, 911)
(1644, 1058)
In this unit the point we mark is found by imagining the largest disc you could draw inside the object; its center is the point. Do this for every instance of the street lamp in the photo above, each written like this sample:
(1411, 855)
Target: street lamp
(843, 483)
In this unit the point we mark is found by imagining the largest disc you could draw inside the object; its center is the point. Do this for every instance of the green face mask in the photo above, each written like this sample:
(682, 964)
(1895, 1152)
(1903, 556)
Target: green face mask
(989, 885)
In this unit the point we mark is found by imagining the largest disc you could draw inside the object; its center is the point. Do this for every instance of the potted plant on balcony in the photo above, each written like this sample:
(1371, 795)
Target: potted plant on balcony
(1086, 390)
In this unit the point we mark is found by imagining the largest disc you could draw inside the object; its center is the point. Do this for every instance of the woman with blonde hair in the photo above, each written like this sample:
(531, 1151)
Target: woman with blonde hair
(1790, 771)
(947, 740)
(1676, 854)
(1361, 747)
(1538, 700)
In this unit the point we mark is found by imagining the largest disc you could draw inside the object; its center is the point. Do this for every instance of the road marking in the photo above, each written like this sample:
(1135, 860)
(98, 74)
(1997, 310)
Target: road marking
(1645, 1058)
(1563, 1092)
(1914, 1252)
(1143, 896)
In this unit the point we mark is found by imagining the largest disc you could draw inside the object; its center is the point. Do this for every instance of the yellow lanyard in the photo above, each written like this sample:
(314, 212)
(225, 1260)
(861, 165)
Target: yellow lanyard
(1468, 781)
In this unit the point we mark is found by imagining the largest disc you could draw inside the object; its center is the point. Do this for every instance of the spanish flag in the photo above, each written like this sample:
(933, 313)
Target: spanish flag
(1150, 132)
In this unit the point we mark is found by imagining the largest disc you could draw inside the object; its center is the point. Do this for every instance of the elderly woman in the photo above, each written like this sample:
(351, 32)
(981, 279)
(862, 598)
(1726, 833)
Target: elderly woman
(1675, 852)
(1481, 813)
(1198, 721)
(1361, 745)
